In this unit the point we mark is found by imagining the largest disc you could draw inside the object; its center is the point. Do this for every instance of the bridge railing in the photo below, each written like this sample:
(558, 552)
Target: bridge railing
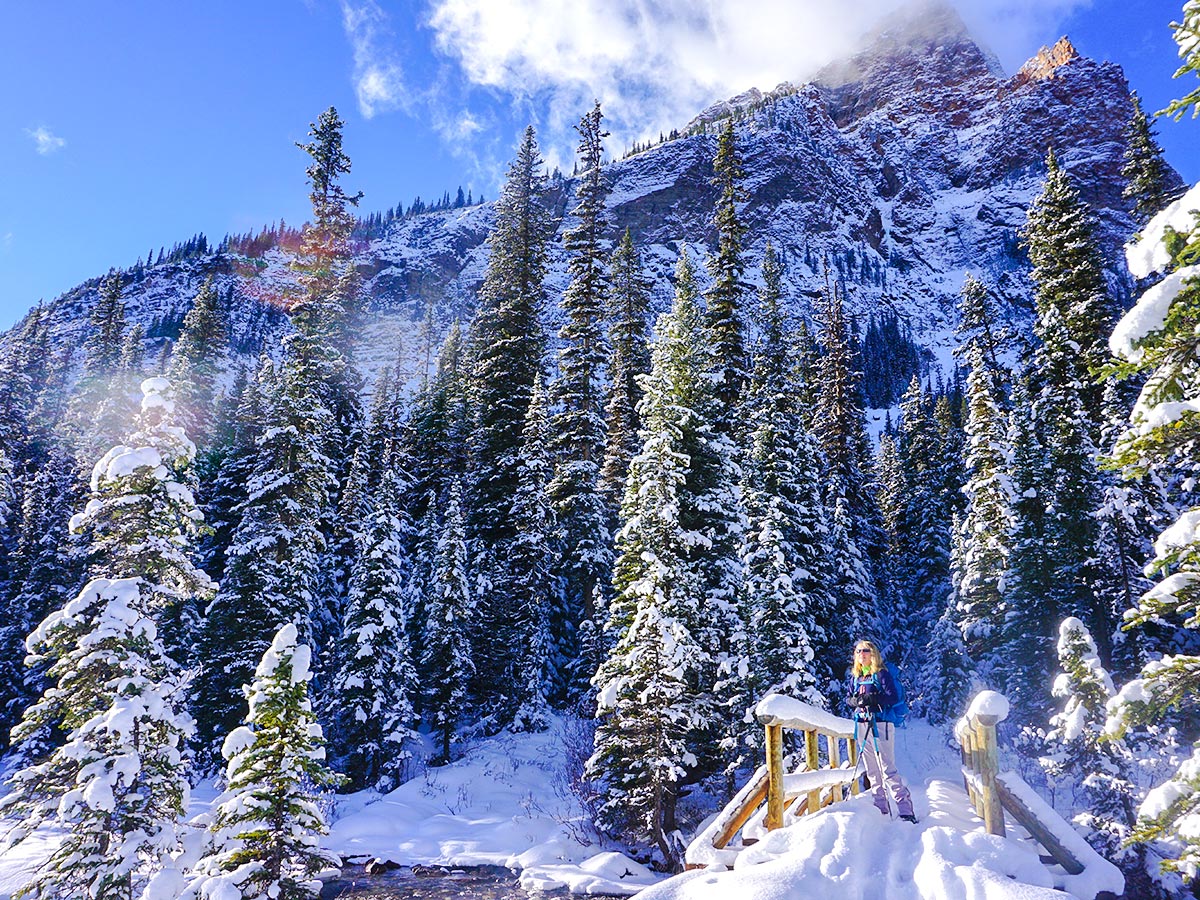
(994, 792)
(813, 784)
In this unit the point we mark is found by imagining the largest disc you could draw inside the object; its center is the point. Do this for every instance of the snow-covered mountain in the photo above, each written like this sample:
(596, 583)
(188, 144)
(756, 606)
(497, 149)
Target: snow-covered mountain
(904, 166)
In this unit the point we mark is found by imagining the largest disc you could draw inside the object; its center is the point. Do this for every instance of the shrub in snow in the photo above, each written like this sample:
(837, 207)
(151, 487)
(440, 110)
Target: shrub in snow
(265, 829)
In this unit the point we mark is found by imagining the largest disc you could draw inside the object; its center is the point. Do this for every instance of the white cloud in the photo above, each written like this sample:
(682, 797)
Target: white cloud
(378, 77)
(45, 141)
(655, 63)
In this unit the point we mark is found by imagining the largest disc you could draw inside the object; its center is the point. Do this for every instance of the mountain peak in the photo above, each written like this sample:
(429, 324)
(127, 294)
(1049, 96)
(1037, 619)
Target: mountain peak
(1048, 60)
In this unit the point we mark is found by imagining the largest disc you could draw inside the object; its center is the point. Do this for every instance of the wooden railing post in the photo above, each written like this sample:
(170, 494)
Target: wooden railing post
(812, 759)
(774, 818)
(835, 761)
(969, 763)
(852, 744)
(989, 760)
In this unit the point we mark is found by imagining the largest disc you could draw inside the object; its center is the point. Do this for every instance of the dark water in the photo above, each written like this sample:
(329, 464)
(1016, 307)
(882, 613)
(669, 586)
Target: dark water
(474, 883)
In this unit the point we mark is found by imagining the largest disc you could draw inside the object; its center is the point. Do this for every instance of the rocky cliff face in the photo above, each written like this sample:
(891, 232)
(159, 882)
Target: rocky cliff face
(898, 170)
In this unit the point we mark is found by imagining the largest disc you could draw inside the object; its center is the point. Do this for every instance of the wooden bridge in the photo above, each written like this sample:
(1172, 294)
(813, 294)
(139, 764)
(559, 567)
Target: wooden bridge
(825, 772)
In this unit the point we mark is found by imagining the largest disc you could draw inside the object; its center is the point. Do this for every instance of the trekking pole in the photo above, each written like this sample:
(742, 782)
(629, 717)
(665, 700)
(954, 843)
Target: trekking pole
(887, 790)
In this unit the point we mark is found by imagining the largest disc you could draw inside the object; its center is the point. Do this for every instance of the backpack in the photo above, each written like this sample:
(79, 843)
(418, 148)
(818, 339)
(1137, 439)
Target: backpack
(898, 711)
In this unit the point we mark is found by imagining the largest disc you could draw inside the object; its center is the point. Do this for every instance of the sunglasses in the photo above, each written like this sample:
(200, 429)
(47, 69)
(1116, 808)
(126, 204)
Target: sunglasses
(863, 650)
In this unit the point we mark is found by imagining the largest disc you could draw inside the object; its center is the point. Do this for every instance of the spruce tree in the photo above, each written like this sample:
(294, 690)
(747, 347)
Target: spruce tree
(197, 364)
(841, 435)
(1073, 312)
(981, 540)
(785, 552)
(578, 426)
(96, 408)
(375, 685)
(274, 553)
(506, 348)
(1158, 338)
(654, 697)
(533, 588)
(118, 786)
(1076, 748)
(727, 268)
(1148, 185)
(449, 609)
(318, 363)
(629, 357)
(264, 833)
(1029, 578)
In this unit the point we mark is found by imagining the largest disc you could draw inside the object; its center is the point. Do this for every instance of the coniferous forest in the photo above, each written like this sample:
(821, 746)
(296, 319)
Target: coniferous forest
(289, 576)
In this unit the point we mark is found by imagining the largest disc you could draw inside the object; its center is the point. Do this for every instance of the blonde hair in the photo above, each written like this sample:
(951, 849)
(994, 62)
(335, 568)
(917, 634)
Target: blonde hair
(869, 668)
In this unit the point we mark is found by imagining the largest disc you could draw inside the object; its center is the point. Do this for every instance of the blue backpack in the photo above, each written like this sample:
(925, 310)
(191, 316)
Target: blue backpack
(898, 711)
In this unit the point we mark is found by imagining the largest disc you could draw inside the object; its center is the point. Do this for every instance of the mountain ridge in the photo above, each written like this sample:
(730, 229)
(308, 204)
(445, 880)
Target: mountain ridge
(899, 180)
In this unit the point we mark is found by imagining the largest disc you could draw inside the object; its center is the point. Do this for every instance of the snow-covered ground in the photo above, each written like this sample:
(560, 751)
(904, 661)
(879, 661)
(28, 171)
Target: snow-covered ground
(506, 802)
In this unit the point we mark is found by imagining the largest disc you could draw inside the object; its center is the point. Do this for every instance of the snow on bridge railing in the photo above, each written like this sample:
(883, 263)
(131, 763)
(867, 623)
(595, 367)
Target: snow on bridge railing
(819, 786)
(993, 793)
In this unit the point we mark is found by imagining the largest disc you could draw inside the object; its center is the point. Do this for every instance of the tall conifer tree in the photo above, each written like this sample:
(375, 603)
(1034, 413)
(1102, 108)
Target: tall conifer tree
(727, 267)
(507, 347)
(578, 424)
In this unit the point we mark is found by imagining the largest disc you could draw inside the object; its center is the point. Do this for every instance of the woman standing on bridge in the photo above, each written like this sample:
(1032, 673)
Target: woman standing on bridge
(873, 696)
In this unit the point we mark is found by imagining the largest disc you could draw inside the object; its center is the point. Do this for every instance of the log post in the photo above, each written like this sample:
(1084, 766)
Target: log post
(835, 762)
(774, 818)
(812, 760)
(852, 745)
(969, 766)
(989, 759)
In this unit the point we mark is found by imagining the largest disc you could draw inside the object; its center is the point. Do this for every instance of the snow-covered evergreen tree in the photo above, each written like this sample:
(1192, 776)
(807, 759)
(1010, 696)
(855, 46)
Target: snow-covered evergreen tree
(265, 830)
(1146, 172)
(731, 368)
(376, 682)
(449, 608)
(1076, 748)
(533, 587)
(46, 569)
(577, 427)
(197, 363)
(980, 550)
(654, 692)
(1028, 579)
(840, 430)
(785, 554)
(507, 347)
(118, 785)
(275, 551)
(628, 338)
(1158, 337)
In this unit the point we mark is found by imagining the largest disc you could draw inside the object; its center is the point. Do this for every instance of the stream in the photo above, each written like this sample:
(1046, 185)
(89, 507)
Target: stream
(431, 883)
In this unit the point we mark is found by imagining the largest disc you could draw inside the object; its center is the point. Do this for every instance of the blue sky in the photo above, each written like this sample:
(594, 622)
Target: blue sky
(128, 126)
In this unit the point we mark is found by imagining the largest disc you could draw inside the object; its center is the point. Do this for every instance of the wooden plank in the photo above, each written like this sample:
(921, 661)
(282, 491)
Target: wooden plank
(1040, 832)
(774, 777)
(742, 815)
